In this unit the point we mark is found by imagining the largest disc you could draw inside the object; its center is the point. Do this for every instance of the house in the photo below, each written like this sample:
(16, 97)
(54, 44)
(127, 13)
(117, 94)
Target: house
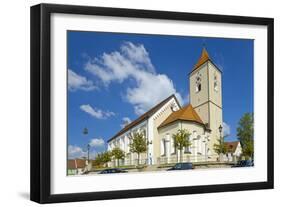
(76, 166)
(202, 118)
(234, 151)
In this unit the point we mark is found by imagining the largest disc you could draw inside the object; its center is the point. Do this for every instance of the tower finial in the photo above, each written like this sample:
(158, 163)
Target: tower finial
(203, 58)
(204, 43)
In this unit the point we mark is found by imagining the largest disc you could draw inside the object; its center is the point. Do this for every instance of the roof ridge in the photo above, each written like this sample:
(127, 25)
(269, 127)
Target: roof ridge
(143, 116)
(186, 113)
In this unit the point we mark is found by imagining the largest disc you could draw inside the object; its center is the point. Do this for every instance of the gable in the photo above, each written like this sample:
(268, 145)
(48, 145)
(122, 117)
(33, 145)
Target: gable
(154, 110)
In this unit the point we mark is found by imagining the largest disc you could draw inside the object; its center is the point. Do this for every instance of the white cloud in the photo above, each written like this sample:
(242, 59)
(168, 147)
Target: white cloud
(126, 121)
(226, 129)
(97, 113)
(75, 152)
(77, 82)
(133, 61)
(97, 142)
(138, 55)
(150, 90)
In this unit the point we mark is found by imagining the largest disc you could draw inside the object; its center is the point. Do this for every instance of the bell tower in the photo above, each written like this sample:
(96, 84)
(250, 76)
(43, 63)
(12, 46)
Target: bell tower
(205, 89)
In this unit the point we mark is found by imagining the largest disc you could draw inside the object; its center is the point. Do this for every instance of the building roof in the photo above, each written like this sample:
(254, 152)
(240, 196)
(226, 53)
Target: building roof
(80, 163)
(71, 164)
(231, 146)
(186, 113)
(144, 116)
(76, 163)
(203, 58)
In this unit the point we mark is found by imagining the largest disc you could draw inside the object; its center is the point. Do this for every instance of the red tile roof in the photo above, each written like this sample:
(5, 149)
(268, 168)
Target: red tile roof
(204, 58)
(71, 164)
(231, 146)
(187, 113)
(76, 163)
(80, 163)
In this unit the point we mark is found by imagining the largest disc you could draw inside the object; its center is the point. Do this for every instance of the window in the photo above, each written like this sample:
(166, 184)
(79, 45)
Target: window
(173, 148)
(144, 133)
(163, 147)
(198, 87)
(187, 149)
(198, 83)
(216, 85)
(199, 144)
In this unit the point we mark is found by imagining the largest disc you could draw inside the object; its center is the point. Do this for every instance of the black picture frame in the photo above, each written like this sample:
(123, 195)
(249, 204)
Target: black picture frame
(41, 99)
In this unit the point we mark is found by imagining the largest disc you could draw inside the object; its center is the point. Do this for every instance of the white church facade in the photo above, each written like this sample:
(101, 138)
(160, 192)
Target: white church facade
(202, 118)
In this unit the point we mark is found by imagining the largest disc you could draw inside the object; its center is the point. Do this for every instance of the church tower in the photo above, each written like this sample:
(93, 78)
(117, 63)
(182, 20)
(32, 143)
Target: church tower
(205, 90)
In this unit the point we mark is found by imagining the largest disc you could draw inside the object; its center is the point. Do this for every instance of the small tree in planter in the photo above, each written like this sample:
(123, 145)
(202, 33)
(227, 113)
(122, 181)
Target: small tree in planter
(181, 140)
(117, 154)
(220, 148)
(138, 144)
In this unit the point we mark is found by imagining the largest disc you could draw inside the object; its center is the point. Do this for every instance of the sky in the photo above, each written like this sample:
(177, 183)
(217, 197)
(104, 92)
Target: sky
(113, 78)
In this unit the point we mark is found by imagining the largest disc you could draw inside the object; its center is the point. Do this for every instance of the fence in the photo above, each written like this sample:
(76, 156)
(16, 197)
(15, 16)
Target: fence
(173, 159)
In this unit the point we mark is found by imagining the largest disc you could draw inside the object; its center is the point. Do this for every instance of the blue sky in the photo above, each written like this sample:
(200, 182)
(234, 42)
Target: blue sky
(115, 77)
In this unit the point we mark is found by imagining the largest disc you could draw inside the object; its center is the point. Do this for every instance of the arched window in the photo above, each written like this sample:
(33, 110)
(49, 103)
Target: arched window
(163, 147)
(198, 87)
(199, 144)
(216, 85)
(198, 83)
(173, 147)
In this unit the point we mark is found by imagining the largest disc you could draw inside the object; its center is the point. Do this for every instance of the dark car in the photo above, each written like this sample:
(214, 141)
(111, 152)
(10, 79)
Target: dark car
(244, 163)
(182, 166)
(112, 170)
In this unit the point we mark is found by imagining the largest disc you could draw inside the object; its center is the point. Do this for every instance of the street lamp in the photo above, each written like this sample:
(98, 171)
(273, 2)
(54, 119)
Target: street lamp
(149, 159)
(88, 146)
(85, 132)
(220, 129)
(221, 143)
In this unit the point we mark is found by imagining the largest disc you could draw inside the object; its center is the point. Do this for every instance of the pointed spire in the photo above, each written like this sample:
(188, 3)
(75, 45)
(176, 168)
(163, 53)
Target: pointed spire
(204, 57)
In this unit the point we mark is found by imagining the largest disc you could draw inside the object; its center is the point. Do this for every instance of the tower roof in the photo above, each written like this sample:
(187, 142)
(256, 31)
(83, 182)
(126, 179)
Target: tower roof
(186, 113)
(204, 57)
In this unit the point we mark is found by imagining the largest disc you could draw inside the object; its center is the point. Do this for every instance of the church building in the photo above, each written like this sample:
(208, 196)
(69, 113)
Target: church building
(202, 118)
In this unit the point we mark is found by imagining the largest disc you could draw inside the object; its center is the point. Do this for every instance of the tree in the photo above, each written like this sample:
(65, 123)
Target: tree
(117, 154)
(245, 133)
(103, 158)
(181, 140)
(138, 144)
(220, 147)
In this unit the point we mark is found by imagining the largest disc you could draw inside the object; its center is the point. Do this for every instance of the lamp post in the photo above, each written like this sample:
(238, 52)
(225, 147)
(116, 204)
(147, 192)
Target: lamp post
(221, 142)
(220, 129)
(85, 132)
(148, 154)
(88, 146)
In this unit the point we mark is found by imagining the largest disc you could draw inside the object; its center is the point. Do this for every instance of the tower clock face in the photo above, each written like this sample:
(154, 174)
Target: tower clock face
(173, 106)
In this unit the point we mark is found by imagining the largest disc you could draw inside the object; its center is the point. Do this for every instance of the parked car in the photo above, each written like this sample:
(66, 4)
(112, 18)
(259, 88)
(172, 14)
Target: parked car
(182, 166)
(112, 170)
(244, 163)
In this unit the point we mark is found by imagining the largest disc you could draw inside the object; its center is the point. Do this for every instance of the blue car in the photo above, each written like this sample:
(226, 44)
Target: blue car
(112, 170)
(182, 166)
(244, 163)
